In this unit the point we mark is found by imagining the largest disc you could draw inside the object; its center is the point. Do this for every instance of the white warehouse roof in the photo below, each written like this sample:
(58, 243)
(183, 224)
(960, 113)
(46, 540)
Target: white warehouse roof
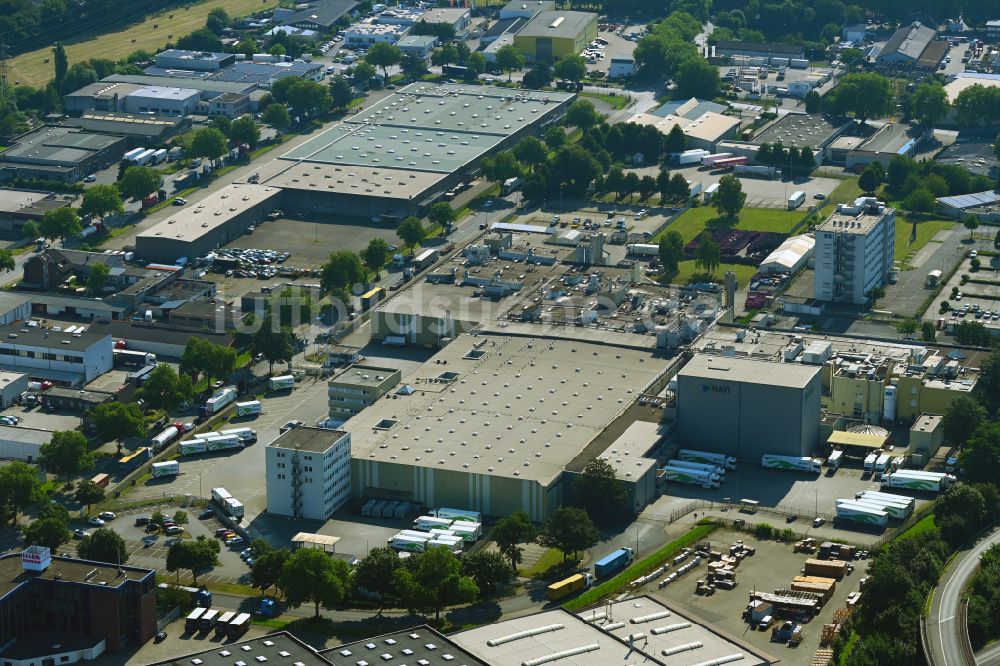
(790, 255)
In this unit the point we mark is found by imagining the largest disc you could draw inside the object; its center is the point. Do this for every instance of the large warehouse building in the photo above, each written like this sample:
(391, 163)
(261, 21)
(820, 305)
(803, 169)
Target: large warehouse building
(746, 407)
(553, 35)
(463, 439)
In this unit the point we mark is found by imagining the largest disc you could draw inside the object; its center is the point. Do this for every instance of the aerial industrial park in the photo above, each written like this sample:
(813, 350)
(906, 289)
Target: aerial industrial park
(355, 333)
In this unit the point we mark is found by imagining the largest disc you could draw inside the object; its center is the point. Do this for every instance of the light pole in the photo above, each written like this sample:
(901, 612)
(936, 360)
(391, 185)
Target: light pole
(199, 485)
(816, 495)
(561, 207)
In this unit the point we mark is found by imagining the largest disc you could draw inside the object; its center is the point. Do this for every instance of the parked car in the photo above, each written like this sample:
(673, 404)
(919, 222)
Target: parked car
(141, 520)
(95, 521)
(79, 533)
(206, 514)
(174, 529)
(160, 637)
(107, 515)
(819, 522)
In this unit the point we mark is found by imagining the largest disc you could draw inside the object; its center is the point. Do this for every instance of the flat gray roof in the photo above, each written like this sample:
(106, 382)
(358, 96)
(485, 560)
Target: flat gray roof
(58, 143)
(13, 201)
(799, 129)
(192, 222)
(364, 375)
(307, 438)
(557, 24)
(280, 648)
(16, 335)
(749, 371)
(419, 645)
(487, 418)
(205, 85)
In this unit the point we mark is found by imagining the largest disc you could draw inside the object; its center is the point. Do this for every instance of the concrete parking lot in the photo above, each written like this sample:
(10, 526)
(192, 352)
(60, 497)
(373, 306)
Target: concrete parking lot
(771, 568)
(617, 45)
(986, 297)
(975, 154)
(40, 419)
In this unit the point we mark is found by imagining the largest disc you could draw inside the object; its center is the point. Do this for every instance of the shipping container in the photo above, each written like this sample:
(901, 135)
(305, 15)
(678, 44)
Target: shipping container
(835, 460)
(870, 463)
(101, 480)
(221, 627)
(238, 626)
(613, 563)
(191, 621)
(567, 586)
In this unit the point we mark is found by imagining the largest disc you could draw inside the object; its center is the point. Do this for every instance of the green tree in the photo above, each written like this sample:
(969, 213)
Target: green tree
(32, 231)
(490, 570)
(730, 197)
(432, 580)
(180, 517)
(209, 142)
(376, 255)
(413, 65)
(61, 63)
(343, 270)
(193, 555)
(309, 97)
(572, 68)
(7, 261)
(267, 567)
(246, 46)
(384, 55)
(218, 20)
(987, 388)
(375, 574)
(708, 254)
(865, 94)
(538, 76)
(679, 189)
(204, 357)
(88, 493)
(647, 186)
(697, 78)
(48, 532)
(66, 454)
(341, 92)
(117, 421)
(499, 168)
(509, 532)
(246, 130)
(19, 487)
(78, 75)
(362, 74)
(962, 418)
(60, 223)
(632, 183)
(476, 63)
(581, 113)
(277, 50)
(980, 456)
(165, 389)
(275, 345)
(927, 332)
(671, 253)
(598, 491)
(411, 232)
(675, 141)
(870, 179)
(907, 327)
(971, 222)
(960, 512)
(104, 545)
(814, 102)
(569, 530)
(532, 153)
(201, 39)
(97, 279)
(930, 102)
(920, 201)
(276, 115)
(311, 576)
(875, 294)
(442, 214)
(101, 201)
(554, 137)
(508, 58)
(576, 168)
(139, 181)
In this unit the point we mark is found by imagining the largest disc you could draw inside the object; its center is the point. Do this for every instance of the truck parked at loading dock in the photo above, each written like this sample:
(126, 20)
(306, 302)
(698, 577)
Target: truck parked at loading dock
(251, 408)
(719, 459)
(701, 467)
(567, 586)
(691, 477)
(794, 463)
(611, 564)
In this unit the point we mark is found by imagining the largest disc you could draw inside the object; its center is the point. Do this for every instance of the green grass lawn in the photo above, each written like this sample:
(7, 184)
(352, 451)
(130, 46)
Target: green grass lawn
(926, 230)
(687, 269)
(846, 192)
(695, 220)
(614, 101)
(549, 558)
(925, 524)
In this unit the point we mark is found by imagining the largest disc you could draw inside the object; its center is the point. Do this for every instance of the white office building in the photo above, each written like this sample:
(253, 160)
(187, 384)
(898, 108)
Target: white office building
(163, 100)
(73, 356)
(308, 472)
(854, 249)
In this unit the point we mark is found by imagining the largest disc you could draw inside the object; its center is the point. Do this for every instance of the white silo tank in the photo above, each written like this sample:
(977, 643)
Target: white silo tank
(889, 404)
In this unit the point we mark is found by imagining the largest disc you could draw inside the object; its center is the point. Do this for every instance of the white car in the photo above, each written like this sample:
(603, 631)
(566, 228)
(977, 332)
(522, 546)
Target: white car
(106, 515)
(95, 521)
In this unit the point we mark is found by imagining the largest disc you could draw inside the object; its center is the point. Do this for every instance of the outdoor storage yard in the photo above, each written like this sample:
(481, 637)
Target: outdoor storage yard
(771, 568)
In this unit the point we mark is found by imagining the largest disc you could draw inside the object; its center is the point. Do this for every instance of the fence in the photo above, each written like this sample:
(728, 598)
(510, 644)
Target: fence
(162, 623)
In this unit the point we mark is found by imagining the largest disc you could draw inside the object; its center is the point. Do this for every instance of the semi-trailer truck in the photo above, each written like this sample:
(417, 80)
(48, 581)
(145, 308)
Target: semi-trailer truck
(910, 481)
(701, 467)
(133, 359)
(835, 459)
(430, 523)
(163, 439)
(567, 586)
(719, 459)
(613, 563)
(410, 544)
(710, 160)
(251, 408)
(862, 513)
(281, 383)
(458, 515)
(895, 511)
(870, 463)
(193, 447)
(691, 477)
(885, 497)
(692, 156)
(882, 463)
(218, 402)
(166, 468)
(245, 435)
(793, 463)
(796, 199)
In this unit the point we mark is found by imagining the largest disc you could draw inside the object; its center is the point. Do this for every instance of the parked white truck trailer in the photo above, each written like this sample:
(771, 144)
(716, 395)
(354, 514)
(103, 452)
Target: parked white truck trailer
(251, 408)
(718, 459)
(882, 463)
(859, 513)
(166, 468)
(835, 460)
(933, 482)
(458, 515)
(793, 463)
(281, 383)
(701, 467)
(870, 463)
(797, 199)
(691, 477)
(894, 510)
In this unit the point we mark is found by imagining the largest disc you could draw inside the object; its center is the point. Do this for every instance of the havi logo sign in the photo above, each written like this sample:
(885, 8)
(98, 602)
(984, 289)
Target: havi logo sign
(714, 388)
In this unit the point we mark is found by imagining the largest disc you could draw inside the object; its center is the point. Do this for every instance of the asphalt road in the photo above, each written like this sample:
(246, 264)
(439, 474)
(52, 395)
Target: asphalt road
(944, 636)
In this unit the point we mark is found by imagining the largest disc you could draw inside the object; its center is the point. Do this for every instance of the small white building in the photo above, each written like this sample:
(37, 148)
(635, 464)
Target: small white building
(72, 356)
(418, 45)
(163, 100)
(790, 256)
(308, 472)
(367, 34)
(621, 66)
